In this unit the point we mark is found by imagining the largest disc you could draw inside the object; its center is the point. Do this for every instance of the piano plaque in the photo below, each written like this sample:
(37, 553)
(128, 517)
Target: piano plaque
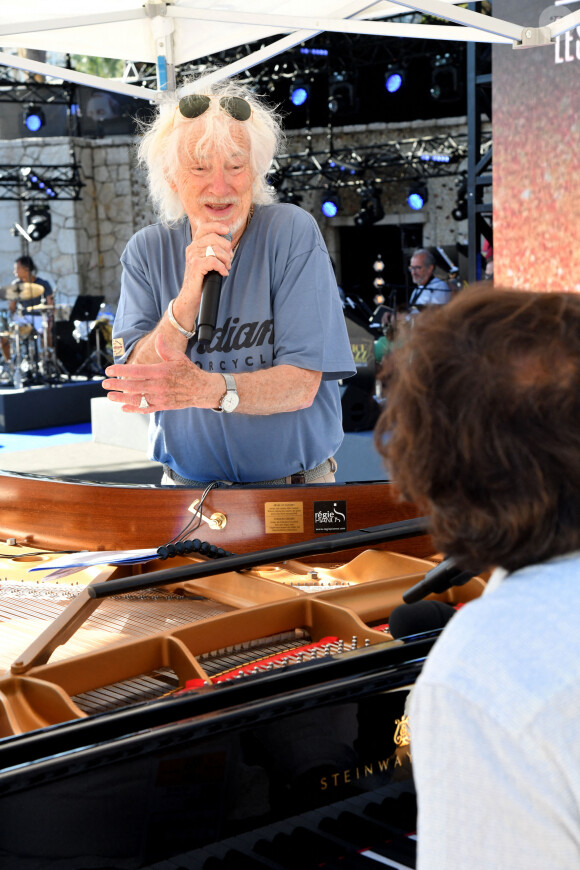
(284, 516)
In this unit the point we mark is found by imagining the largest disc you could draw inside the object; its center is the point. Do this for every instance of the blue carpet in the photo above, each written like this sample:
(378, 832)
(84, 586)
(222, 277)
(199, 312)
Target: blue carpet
(37, 438)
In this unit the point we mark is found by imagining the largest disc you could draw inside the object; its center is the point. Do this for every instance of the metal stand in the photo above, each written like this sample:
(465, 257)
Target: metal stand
(98, 360)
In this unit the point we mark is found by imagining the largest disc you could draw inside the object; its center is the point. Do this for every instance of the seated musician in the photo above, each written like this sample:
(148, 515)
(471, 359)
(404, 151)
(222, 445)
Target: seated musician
(481, 430)
(259, 401)
(23, 311)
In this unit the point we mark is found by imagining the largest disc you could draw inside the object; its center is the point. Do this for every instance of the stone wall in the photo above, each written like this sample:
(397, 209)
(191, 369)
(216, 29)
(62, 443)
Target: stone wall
(81, 254)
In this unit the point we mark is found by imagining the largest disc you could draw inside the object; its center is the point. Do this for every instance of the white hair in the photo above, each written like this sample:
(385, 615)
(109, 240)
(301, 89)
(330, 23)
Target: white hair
(160, 149)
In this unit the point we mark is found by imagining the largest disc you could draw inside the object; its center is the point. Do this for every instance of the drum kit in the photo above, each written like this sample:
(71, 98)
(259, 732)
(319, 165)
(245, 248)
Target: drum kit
(28, 338)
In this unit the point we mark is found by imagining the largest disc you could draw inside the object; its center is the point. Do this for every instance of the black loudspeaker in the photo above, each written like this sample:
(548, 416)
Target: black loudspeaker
(360, 410)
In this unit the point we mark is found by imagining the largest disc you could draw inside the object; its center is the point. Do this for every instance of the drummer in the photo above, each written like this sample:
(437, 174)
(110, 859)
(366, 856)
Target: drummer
(23, 308)
(25, 272)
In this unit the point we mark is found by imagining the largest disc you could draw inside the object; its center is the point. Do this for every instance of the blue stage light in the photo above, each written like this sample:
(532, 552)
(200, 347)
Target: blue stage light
(34, 119)
(417, 197)
(330, 205)
(393, 82)
(299, 95)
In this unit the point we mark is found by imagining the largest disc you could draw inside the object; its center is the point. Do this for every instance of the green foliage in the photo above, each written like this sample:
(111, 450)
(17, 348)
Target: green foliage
(106, 67)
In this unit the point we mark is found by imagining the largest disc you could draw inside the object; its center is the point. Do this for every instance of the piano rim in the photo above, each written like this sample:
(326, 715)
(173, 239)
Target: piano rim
(69, 748)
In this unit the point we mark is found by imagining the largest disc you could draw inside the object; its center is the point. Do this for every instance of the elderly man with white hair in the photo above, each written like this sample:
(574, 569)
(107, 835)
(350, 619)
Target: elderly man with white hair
(271, 368)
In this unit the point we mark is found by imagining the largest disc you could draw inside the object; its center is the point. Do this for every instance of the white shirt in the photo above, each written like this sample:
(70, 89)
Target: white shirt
(495, 728)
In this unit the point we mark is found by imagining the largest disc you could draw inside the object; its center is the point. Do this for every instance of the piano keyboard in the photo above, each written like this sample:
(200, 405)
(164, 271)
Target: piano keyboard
(369, 832)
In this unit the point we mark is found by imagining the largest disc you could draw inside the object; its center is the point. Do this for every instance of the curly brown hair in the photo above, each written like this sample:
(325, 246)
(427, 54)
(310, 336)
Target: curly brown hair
(481, 426)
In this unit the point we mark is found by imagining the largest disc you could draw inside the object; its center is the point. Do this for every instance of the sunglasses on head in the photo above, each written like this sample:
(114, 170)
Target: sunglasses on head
(194, 105)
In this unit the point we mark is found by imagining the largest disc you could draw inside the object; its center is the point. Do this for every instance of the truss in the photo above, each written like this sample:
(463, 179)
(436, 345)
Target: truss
(372, 165)
(63, 180)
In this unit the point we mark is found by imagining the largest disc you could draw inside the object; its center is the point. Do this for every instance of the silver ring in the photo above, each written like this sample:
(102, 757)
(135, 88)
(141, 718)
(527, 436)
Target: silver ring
(144, 403)
(209, 251)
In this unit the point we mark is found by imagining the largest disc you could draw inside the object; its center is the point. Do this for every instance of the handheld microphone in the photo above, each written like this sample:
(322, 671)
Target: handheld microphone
(210, 301)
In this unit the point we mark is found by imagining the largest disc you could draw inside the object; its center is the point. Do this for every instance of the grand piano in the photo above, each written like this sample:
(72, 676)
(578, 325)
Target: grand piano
(212, 713)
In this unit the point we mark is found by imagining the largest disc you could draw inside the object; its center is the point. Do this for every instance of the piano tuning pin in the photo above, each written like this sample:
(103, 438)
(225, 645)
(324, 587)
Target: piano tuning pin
(354, 642)
(340, 645)
(367, 641)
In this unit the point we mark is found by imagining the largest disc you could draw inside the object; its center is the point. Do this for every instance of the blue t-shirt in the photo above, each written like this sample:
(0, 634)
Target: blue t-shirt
(279, 305)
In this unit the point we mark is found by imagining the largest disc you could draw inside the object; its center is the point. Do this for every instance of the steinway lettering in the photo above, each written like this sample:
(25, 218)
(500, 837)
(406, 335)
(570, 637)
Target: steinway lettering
(344, 777)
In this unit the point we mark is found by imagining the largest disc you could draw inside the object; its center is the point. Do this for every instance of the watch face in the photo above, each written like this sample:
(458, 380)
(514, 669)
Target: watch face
(229, 402)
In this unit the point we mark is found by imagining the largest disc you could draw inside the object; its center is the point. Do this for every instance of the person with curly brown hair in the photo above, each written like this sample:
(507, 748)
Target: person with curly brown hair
(481, 428)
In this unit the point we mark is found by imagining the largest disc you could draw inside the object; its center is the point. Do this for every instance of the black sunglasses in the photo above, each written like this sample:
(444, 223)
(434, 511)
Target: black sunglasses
(194, 105)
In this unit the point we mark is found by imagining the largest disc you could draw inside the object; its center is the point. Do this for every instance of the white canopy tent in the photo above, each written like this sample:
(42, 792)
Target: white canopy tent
(182, 31)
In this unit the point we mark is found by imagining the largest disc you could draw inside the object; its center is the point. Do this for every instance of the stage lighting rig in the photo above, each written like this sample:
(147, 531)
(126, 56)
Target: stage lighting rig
(394, 79)
(34, 119)
(417, 196)
(38, 222)
(299, 92)
(341, 94)
(459, 213)
(33, 181)
(371, 209)
(446, 80)
(330, 204)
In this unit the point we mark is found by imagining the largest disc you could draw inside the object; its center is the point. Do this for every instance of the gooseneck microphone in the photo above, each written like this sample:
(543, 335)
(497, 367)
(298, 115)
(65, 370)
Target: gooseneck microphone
(438, 579)
(210, 301)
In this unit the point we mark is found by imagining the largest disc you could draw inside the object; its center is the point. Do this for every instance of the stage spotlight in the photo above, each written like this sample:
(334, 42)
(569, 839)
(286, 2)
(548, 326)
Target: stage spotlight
(341, 95)
(394, 79)
(34, 119)
(371, 209)
(38, 222)
(417, 196)
(446, 84)
(459, 213)
(330, 205)
(299, 93)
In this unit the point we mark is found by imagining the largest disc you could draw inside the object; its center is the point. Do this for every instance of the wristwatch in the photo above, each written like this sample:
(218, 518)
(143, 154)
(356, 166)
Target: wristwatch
(230, 399)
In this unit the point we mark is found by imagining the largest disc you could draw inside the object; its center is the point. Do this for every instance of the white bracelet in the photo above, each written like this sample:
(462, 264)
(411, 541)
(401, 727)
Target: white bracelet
(174, 322)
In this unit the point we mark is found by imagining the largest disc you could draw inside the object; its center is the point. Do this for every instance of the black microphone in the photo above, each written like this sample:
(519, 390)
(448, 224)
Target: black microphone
(409, 619)
(210, 302)
(438, 579)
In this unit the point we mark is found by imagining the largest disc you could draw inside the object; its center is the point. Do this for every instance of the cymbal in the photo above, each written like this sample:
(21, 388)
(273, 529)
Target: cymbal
(24, 290)
(42, 307)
